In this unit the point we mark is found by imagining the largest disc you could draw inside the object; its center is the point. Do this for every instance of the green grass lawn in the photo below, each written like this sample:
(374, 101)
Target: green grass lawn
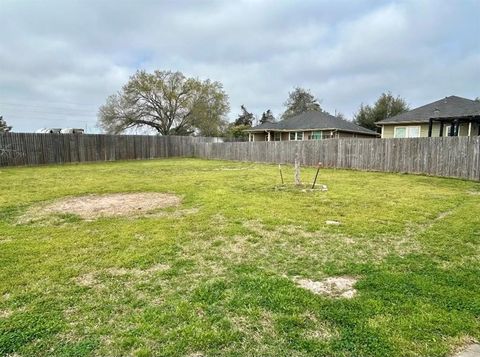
(215, 275)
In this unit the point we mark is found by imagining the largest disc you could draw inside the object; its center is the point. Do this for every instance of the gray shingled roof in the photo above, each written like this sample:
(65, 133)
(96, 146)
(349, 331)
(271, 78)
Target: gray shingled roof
(452, 106)
(315, 121)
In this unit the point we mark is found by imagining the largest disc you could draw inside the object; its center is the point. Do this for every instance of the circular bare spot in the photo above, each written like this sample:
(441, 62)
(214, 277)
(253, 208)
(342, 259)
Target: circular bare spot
(118, 204)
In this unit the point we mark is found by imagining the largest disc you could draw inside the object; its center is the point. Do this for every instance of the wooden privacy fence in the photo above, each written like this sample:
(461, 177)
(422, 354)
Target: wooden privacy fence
(446, 156)
(37, 149)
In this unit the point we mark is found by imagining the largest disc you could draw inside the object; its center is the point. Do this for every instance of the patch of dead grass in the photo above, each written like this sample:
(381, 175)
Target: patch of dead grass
(321, 246)
(335, 287)
(87, 280)
(469, 348)
(111, 205)
(93, 279)
(259, 328)
(137, 272)
(5, 313)
(321, 330)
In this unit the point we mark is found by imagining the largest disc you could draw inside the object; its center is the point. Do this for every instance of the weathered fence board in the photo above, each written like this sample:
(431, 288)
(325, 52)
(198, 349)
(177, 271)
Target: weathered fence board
(37, 149)
(446, 156)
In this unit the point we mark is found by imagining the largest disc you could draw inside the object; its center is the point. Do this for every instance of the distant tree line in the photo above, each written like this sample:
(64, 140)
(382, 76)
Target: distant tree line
(172, 104)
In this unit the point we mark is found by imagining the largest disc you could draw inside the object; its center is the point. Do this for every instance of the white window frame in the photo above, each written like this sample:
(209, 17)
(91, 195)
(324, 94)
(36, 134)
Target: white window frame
(447, 130)
(407, 131)
(395, 132)
(296, 135)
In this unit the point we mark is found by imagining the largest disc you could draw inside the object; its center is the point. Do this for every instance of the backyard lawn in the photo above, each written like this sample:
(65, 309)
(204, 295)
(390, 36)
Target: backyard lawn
(220, 270)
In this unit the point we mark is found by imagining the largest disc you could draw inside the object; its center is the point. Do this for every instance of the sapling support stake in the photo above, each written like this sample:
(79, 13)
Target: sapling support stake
(281, 175)
(316, 175)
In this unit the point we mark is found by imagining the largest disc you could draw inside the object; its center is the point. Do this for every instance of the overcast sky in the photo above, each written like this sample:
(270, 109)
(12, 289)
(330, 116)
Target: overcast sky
(59, 60)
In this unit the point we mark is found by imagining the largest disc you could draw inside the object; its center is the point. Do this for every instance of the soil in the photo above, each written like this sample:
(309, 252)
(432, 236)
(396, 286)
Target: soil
(118, 204)
(472, 350)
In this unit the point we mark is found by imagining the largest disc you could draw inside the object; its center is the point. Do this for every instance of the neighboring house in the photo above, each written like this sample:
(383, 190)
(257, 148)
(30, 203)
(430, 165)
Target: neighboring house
(451, 116)
(60, 131)
(309, 126)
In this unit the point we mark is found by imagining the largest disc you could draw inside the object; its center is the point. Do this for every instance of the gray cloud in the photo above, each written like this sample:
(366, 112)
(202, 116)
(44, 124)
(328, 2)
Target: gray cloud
(60, 60)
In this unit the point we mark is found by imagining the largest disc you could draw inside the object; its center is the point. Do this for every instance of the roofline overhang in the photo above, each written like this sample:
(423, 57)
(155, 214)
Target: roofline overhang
(300, 129)
(426, 121)
(379, 123)
(474, 117)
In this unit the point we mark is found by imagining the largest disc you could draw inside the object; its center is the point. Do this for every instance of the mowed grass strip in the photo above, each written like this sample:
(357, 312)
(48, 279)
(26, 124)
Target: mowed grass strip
(216, 275)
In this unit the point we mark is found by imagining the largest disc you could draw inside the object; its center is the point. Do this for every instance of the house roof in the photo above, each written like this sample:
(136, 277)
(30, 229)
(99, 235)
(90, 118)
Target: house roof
(313, 121)
(448, 107)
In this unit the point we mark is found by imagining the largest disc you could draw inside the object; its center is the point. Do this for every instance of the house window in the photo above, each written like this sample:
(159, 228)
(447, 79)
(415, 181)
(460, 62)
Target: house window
(296, 135)
(407, 132)
(316, 135)
(400, 132)
(413, 132)
(276, 136)
(447, 130)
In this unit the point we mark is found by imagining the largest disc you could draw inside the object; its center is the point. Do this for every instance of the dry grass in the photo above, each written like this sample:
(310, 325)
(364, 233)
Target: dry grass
(214, 276)
(470, 350)
(137, 272)
(335, 287)
(320, 247)
(88, 280)
(94, 206)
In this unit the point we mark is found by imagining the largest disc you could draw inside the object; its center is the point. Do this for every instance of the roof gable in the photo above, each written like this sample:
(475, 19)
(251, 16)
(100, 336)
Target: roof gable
(452, 106)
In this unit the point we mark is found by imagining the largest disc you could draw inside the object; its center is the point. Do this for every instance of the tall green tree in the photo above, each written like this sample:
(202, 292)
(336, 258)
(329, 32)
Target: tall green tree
(386, 106)
(168, 102)
(300, 100)
(4, 128)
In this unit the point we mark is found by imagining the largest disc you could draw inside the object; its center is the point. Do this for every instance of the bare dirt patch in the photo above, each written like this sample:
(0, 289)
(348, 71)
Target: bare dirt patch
(336, 287)
(472, 350)
(117, 204)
